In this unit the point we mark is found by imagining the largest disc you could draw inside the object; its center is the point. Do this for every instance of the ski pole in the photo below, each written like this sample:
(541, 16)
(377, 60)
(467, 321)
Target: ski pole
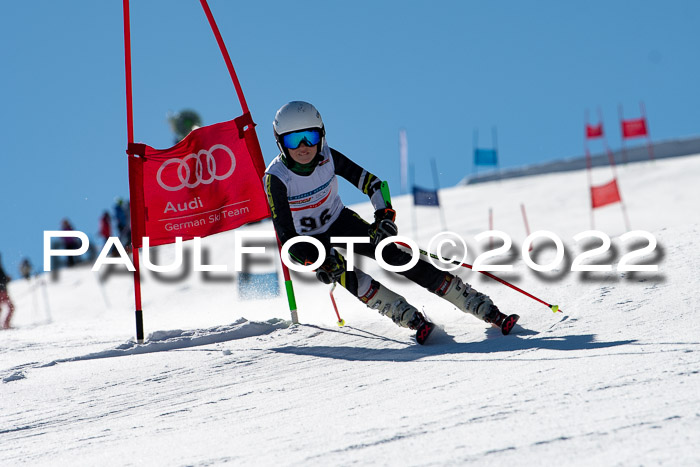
(341, 321)
(384, 188)
(554, 308)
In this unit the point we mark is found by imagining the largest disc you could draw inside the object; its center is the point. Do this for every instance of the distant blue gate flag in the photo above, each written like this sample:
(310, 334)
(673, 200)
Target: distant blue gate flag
(485, 157)
(423, 197)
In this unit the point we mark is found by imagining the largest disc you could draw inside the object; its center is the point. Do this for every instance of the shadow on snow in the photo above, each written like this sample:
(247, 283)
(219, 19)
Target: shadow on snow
(441, 345)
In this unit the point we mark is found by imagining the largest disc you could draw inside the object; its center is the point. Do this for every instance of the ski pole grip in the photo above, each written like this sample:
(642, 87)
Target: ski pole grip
(384, 188)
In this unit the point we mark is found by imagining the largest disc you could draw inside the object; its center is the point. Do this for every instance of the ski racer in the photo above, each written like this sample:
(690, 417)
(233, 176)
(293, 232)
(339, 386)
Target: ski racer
(302, 191)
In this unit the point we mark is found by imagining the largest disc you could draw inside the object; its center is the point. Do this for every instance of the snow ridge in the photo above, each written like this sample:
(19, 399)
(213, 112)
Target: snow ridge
(162, 341)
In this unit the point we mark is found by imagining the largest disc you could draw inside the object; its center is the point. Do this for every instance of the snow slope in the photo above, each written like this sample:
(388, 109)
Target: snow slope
(613, 380)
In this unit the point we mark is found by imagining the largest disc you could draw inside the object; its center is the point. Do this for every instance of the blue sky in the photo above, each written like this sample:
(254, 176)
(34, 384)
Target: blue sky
(440, 69)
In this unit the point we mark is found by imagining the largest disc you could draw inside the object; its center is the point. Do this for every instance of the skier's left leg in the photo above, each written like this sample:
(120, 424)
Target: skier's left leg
(469, 300)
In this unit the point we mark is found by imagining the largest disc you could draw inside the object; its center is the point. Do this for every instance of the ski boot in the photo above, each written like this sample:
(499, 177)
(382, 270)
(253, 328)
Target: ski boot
(394, 306)
(389, 304)
(468, 300)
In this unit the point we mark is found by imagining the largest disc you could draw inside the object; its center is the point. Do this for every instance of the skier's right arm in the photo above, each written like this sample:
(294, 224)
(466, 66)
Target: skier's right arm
(282, 220)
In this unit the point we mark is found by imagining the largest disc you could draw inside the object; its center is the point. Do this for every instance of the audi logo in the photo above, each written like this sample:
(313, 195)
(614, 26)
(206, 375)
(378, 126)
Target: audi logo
(184, 172)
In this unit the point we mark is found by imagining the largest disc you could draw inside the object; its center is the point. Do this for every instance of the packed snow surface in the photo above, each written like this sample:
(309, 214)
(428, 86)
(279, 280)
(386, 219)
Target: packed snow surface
(614, 379)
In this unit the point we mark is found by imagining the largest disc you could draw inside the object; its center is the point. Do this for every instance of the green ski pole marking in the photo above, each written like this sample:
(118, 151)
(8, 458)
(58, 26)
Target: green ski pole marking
(290, 295)
(384, 188)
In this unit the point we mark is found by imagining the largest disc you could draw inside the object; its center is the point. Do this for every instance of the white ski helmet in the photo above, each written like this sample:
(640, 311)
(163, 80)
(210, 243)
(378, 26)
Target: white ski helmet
(295, 116)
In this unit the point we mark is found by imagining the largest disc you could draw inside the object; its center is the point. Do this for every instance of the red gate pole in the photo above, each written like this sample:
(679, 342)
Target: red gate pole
(650, 148)
(527, 226)
(253, 138)
(589, 166)
(224, 52)
(130, 136)
(622, 124)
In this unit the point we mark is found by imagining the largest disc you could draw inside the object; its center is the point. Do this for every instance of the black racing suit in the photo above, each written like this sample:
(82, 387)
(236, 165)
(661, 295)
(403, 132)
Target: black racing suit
(347, 224)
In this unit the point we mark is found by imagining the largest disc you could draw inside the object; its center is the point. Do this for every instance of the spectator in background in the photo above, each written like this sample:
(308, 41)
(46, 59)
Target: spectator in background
(105, 225)
(106, 229)
(69, 243)
(121, 213)
(5, 298)
(25, 268)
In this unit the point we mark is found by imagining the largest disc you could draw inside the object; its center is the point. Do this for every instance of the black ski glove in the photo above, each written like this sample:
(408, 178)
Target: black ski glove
(383, 225)
(332, 269)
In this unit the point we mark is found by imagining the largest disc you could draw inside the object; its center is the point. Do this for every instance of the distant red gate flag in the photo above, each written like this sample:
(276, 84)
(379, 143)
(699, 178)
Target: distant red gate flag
(208, 183)
(594, 131)
(605, 194)
(634, 128)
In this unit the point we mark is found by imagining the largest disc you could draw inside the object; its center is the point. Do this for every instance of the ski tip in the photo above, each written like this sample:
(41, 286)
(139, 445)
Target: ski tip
(424, 331)
(509, 323)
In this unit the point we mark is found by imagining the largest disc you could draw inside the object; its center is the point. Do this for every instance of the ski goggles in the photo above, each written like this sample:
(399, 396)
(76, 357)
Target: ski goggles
(308, 137)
